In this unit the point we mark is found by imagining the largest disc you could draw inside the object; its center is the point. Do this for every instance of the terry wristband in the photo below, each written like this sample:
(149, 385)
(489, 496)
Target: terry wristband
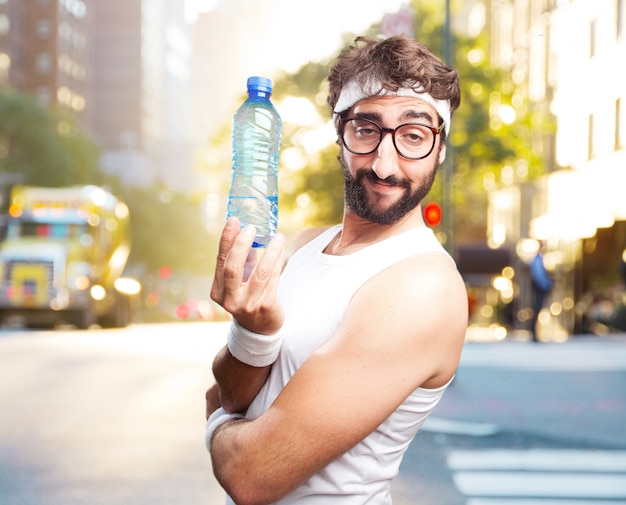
(251, 348)
(215, 420)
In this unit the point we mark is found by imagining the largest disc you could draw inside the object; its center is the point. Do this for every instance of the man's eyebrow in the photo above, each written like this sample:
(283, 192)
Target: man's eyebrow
(418, 114)
(372, 116)
(409, 115)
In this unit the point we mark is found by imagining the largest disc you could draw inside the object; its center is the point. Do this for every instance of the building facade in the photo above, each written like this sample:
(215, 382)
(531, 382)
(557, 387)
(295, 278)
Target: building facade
(121, 66)
(141, 78)
(45, 49)
(566, 57)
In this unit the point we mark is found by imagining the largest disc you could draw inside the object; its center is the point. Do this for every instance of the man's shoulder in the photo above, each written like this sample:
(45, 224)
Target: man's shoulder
(304, 237)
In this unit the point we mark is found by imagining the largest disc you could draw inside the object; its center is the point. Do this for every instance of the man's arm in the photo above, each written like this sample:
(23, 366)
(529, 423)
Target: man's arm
(237, 383)
(247, 290)
(403, 329)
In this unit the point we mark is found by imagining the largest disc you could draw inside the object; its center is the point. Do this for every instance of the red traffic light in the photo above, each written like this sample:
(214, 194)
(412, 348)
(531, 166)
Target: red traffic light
(165, 272)
(432, 214)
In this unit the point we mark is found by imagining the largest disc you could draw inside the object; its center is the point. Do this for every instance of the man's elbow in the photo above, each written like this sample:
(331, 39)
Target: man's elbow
(246, 489)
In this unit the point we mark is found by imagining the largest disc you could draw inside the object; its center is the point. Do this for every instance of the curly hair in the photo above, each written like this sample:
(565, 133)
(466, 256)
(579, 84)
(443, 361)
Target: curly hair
(396, 62)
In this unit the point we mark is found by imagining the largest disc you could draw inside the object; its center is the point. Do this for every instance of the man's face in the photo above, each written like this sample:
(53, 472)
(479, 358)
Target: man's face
(383, 187)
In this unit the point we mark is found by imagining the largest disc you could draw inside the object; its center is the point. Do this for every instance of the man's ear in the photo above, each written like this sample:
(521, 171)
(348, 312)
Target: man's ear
(442, 154)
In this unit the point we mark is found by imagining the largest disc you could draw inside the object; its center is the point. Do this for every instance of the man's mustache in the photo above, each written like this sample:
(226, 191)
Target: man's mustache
(371, 176)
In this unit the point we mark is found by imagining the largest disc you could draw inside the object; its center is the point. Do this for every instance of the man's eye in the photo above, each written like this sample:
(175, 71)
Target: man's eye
(367, 132)
(413, 137)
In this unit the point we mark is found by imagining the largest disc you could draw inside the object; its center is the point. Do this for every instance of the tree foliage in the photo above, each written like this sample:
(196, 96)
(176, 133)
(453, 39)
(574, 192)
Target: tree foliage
(45, 147)
(482, 145)
(167, 230)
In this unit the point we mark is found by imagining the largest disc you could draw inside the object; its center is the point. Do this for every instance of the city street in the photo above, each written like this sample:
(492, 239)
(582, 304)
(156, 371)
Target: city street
(116, 417)
(525, 424)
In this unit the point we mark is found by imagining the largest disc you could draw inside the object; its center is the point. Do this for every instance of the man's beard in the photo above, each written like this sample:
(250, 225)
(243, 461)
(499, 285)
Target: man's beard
(358, 201)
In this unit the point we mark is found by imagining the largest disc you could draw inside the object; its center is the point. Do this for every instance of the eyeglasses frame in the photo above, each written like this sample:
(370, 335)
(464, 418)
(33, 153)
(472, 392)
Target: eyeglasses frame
(383, 131)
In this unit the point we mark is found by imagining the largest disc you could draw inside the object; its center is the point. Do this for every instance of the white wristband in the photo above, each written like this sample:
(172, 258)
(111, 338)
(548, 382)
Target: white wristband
(251, 348)
(215, 420)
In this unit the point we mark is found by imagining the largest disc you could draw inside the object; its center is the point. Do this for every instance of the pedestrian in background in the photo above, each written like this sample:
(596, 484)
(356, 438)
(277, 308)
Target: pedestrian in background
(334, 362)
(542, 285)
(623, 266)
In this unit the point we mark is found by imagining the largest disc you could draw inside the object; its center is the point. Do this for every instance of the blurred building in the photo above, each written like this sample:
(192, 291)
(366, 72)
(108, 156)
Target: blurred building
(123, 66)
(45, 50)
(566, 57)
(141, 79)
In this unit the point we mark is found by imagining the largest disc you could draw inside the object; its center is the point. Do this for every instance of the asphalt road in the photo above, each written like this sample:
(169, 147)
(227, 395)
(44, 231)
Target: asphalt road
(117, 417)
(106, 417)
(525, 424)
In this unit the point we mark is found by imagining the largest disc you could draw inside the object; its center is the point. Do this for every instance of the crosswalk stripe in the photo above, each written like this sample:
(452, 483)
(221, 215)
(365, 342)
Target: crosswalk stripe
(533, 501)
(539, 460)
(523, 356)
(539, 476)
(436, 424)
(542, 485)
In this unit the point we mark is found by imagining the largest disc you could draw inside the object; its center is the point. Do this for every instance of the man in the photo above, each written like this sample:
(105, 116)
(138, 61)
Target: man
(542, 284)
(333, 364)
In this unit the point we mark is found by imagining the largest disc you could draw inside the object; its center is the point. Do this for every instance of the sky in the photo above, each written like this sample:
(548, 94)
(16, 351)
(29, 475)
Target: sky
(273, 35)
(317, 26)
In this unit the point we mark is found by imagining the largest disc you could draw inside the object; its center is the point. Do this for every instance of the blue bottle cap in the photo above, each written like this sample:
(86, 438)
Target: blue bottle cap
(260, 83)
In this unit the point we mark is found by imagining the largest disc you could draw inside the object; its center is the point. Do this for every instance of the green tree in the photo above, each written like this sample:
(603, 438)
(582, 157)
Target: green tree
(483, 144)
(485, 141)
(167, 229)
(492, 142)
(43, 146)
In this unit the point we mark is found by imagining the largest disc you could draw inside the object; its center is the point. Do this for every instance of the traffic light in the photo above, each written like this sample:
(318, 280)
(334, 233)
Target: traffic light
(432, 214)
(165, 272)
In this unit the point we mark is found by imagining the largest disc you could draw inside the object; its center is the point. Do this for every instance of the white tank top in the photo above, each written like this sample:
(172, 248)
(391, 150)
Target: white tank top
(315, 289)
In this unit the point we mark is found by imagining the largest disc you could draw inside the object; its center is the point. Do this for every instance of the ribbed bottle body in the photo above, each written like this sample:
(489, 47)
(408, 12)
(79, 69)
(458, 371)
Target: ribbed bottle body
(253, 196)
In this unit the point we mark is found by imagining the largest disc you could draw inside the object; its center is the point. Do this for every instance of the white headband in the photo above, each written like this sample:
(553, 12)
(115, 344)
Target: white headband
(354, 91)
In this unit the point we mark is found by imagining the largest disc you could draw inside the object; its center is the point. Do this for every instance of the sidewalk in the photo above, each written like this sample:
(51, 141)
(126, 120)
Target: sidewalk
(497, 333)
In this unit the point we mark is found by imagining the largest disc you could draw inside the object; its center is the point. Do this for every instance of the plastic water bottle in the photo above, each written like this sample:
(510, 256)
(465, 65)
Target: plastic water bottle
(257, 132)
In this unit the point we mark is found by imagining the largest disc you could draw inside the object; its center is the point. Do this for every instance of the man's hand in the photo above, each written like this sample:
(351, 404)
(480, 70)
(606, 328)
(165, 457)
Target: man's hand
(244, 287)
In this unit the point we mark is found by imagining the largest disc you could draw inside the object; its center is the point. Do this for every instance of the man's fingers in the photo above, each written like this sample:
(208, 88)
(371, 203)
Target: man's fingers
(269, 267)
(251, 262)
(244, 285)
(233, 268)
(229, 234)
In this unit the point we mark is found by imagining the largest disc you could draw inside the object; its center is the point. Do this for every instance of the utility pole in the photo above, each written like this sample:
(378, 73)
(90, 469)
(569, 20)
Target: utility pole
(448, 166)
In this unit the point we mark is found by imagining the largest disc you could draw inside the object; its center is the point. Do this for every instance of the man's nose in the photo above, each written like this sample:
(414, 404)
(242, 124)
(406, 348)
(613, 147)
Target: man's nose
(386, 162)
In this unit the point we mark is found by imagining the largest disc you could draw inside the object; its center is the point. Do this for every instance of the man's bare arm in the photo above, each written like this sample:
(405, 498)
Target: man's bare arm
(247, 290)
(400, 332)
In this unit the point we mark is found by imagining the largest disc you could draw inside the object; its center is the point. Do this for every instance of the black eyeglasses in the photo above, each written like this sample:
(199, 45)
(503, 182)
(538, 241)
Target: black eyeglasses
(413, 141)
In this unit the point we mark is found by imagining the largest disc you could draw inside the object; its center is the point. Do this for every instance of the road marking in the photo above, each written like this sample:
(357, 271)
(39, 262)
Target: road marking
(439, 425)
(539, 460)
(542, 485)
(551, 501)
(539, 476)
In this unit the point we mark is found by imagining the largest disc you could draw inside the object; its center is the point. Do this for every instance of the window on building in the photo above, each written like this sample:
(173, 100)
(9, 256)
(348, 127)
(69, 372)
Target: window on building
(43, 63)
(592, 39)
(44, 95)
(590, 146)
(5, 66)
(77, 8)
(619, 143)
(44, 29)
(5, 24)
